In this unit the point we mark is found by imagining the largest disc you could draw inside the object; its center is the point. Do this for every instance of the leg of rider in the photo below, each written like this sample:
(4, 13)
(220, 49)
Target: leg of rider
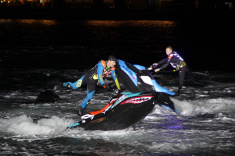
(181, 78)
(90, 93)
(74, 85)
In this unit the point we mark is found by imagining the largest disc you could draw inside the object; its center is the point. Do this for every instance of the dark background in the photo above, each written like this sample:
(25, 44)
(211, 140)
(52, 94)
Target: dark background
(63, 38)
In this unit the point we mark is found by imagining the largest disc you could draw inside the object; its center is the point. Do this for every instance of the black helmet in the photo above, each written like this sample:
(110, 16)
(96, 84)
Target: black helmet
(112, 58)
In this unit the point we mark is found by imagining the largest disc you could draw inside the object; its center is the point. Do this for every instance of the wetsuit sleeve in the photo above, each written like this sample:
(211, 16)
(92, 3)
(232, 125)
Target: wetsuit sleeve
(115, 79)
(166, 64)
(163, 61)
(100, 73)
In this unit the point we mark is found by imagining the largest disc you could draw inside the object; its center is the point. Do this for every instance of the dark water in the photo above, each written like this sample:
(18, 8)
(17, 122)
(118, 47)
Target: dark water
(205, 44)
(34, 53)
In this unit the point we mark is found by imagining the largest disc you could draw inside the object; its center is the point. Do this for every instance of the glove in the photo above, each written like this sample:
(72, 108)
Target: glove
(58, 85)
(116, 91)
(153, 66)
(158, 69)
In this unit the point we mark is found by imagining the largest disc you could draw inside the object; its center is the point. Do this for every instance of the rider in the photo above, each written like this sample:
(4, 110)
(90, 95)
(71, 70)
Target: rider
(90, 79)
(176, 62)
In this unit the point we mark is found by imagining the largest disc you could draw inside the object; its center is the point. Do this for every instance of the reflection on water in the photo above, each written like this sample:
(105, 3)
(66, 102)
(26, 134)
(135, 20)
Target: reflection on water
(136, 23)
(34, 21)
(122, 38)
(107, 23)
(29, 21)
(143, 39)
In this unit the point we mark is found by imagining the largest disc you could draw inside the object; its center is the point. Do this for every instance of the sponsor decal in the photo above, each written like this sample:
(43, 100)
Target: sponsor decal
(79, 83)
(74, 125)
(123, 97)
(137, 100)
(87, 116)
(98, 120)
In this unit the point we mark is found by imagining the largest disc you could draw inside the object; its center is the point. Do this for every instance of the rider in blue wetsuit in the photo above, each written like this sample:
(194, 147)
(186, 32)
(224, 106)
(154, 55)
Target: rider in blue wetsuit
(176, 62)
(90, 79)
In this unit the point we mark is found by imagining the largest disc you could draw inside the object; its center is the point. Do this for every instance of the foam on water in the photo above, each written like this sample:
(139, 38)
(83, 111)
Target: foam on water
(164, 138)
(26, 126)
(204, 123)
(213, 106)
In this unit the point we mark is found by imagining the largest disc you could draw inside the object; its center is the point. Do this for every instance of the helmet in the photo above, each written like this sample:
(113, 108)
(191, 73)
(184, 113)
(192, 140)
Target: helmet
(112, 58)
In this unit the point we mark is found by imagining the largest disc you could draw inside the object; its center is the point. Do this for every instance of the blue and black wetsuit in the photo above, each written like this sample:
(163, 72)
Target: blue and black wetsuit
(176, 62)
(91, 78)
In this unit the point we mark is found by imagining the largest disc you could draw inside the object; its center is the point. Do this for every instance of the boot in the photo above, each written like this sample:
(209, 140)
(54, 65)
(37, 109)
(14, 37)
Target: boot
(66, 85)
(58, 85)
(177, 92)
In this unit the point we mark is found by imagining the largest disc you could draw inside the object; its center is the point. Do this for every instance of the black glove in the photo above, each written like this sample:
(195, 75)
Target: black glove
(116, 91)
(58, 85)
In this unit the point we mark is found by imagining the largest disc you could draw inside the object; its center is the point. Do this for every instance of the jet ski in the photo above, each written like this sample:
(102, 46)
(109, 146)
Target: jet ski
(123, 111)
(127, 108)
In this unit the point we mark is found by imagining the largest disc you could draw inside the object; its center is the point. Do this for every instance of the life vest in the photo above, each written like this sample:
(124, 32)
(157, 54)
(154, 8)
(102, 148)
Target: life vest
(178, 63)
(105, 72)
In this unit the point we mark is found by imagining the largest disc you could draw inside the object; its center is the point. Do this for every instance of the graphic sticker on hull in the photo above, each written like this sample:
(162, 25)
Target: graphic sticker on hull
(137, 100)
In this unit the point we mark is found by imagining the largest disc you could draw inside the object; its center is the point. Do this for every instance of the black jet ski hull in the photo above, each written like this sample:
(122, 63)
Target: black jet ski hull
(127, 109)
(121, 117)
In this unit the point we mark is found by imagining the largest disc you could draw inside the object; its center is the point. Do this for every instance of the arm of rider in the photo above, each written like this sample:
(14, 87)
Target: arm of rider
(166, 62)
(100, 73)
(163, 61)
(115, 79)
(154, 65)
